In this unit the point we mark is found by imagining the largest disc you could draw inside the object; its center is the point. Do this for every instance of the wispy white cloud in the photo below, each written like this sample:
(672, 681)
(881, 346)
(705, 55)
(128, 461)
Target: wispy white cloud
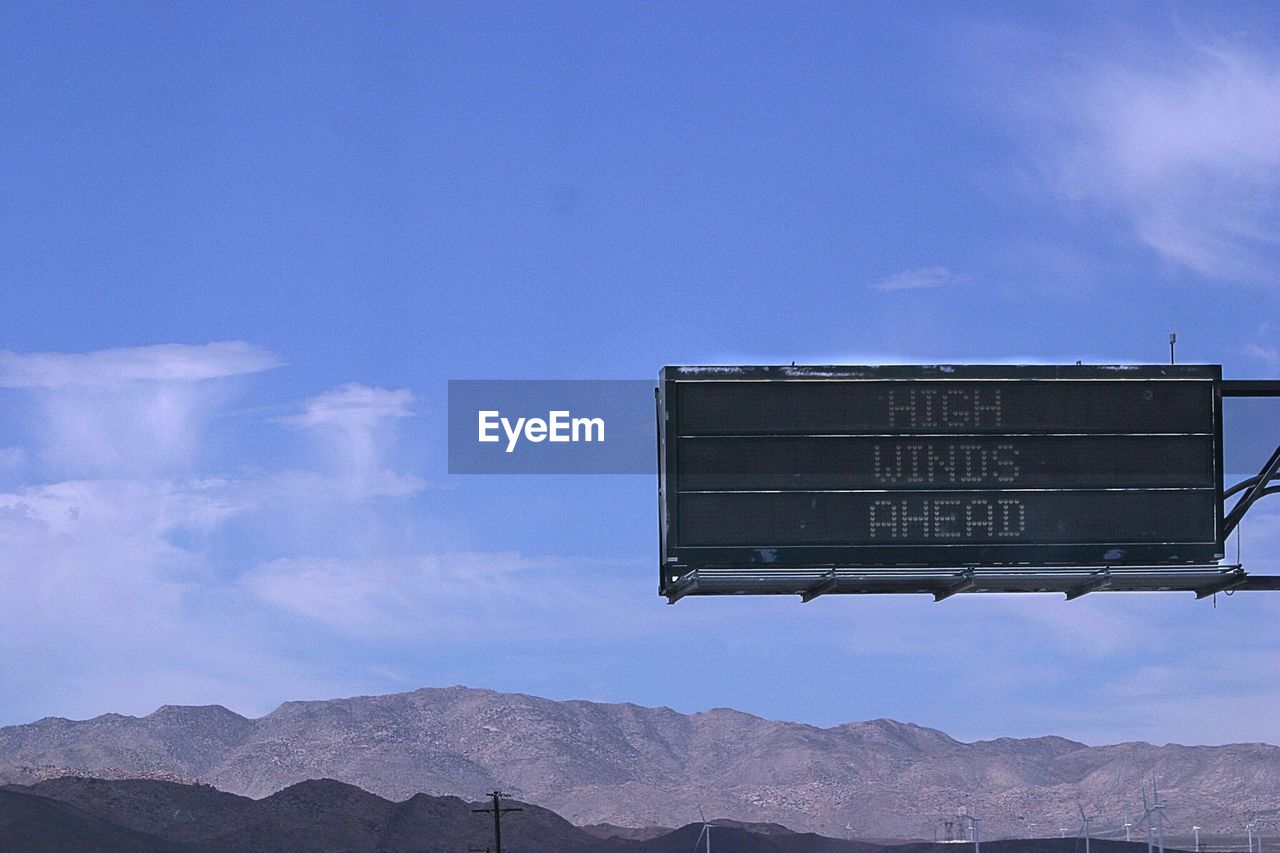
(112, 368)
(1261, 349)
(130, 411)
(103, 611)
(89, 582)
(145, 412)
(103, 582)
(138, 429)
(449, 596)
(107, 554)
(919, 278)
(113, 578)
(11, 457)
(353, 406)
(352, 426)
(1186, 148)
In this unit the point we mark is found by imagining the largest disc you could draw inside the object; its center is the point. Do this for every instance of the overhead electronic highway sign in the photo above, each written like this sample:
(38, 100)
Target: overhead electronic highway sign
(1023, 468)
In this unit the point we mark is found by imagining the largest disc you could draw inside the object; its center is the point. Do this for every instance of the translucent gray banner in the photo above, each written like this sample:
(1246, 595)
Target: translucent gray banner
(552, 426)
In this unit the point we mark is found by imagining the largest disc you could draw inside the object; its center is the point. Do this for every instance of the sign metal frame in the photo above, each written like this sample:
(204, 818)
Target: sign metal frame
(941, 569)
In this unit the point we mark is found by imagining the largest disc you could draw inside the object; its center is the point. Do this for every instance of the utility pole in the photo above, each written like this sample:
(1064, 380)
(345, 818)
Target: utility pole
(498, 811)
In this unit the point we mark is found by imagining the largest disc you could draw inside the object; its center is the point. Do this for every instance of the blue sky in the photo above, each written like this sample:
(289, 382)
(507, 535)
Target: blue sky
(243, 249)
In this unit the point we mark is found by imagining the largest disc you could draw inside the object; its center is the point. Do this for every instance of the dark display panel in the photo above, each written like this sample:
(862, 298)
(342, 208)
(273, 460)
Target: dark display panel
(961, 406)
(940, 466)
(968, 462)
(766, 520)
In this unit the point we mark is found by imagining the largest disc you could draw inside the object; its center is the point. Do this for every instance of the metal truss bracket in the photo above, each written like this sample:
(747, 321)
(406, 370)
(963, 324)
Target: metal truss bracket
(1257, 487)
(964, 584)
(827, 584)
(1254, 489)
(687, 585)
(1100, 580)
(1235, 579)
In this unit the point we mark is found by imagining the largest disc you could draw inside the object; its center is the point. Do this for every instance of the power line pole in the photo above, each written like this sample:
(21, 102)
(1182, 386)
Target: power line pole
(498, 811)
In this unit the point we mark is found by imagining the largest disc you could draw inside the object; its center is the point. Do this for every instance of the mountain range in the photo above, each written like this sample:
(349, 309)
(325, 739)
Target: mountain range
(632, 766)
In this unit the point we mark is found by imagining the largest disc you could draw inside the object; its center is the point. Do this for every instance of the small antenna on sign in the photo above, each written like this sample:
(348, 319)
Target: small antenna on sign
(1173, 339)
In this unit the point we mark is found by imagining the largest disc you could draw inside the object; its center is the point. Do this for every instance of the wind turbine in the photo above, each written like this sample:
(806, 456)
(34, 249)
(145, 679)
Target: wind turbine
(1153, 816)
(706, 830)
(1158, 808)
(1196, 830)
(977, 836)
(1127, 826)
(1145, 820)
(1085, 821)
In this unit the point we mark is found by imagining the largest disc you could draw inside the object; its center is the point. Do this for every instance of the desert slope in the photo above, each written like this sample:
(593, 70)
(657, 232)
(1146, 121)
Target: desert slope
(635, 766)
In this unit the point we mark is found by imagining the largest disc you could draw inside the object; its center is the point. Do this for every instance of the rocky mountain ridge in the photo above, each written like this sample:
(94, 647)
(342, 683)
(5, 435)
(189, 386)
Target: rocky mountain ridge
(633, 766)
